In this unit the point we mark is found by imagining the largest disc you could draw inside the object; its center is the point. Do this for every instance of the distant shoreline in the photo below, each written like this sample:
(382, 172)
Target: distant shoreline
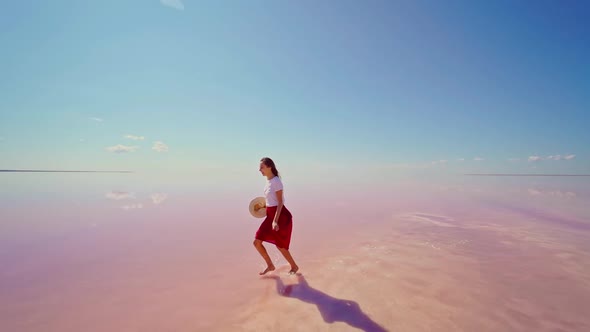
(56, 171)
(499, 174)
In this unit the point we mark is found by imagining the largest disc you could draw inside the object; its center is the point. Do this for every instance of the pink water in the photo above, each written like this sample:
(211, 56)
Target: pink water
(459, 254)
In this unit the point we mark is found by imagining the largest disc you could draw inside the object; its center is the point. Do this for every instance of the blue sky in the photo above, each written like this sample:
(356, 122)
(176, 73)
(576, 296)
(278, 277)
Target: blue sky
(394, 84)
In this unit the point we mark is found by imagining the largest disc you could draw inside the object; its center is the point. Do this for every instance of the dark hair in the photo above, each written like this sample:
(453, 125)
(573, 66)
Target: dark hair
(269, 163)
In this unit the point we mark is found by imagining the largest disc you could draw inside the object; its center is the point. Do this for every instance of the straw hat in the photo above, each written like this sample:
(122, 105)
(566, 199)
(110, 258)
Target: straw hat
(261, 213)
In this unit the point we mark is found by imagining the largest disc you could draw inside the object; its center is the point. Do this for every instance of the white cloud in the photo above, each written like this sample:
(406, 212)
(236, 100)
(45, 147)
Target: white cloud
(570, 157)
(132, 206)
(118, 195)
(176, 4)
(158, 198)
(405, 166)
(135, 138)
(121, 148)
(419, 165)
(82, 140)
(461, 159)
(556, 157)
(478, 159)
(160, 147)
(552, 157)
(97, 119)
(439, 162)
(513, 159)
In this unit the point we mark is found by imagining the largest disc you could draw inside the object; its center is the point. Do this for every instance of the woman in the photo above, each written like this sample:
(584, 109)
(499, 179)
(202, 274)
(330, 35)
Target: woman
(276, 227)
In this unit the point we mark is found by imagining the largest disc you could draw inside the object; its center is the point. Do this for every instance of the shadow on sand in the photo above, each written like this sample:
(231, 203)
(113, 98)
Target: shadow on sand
(331, 308)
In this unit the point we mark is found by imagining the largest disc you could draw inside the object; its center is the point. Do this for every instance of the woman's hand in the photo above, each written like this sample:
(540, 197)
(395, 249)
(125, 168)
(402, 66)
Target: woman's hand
(275, 226)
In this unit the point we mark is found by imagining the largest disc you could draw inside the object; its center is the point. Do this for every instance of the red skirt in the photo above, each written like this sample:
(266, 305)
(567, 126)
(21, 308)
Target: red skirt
(280, 238)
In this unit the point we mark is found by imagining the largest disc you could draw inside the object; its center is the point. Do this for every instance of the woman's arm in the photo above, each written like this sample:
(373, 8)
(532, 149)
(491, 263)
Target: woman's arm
(279, 208)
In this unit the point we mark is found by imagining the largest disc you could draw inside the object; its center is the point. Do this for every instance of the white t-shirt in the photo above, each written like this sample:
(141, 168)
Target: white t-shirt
(270, 191)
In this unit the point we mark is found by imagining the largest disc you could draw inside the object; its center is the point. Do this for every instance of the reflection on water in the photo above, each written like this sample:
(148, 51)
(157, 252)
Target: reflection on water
(555, 193)
(448, 254)
(158, 198)
(118, 195)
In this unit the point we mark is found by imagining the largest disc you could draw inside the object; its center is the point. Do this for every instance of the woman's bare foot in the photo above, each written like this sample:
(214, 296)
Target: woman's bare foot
(294, 269)
(268, 269)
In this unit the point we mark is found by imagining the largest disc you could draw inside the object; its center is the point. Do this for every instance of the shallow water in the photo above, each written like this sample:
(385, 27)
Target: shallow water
(454, 253)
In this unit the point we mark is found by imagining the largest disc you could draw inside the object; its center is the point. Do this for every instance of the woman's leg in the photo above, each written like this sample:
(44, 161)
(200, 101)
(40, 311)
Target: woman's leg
(289, 258)
(264, 254)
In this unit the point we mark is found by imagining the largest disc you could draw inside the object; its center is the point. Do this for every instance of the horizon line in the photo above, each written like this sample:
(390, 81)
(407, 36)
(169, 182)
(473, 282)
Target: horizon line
(56, 171)
(524, 174)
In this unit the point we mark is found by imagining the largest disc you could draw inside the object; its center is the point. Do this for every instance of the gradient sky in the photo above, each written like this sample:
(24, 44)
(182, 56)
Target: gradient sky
(392, 84)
